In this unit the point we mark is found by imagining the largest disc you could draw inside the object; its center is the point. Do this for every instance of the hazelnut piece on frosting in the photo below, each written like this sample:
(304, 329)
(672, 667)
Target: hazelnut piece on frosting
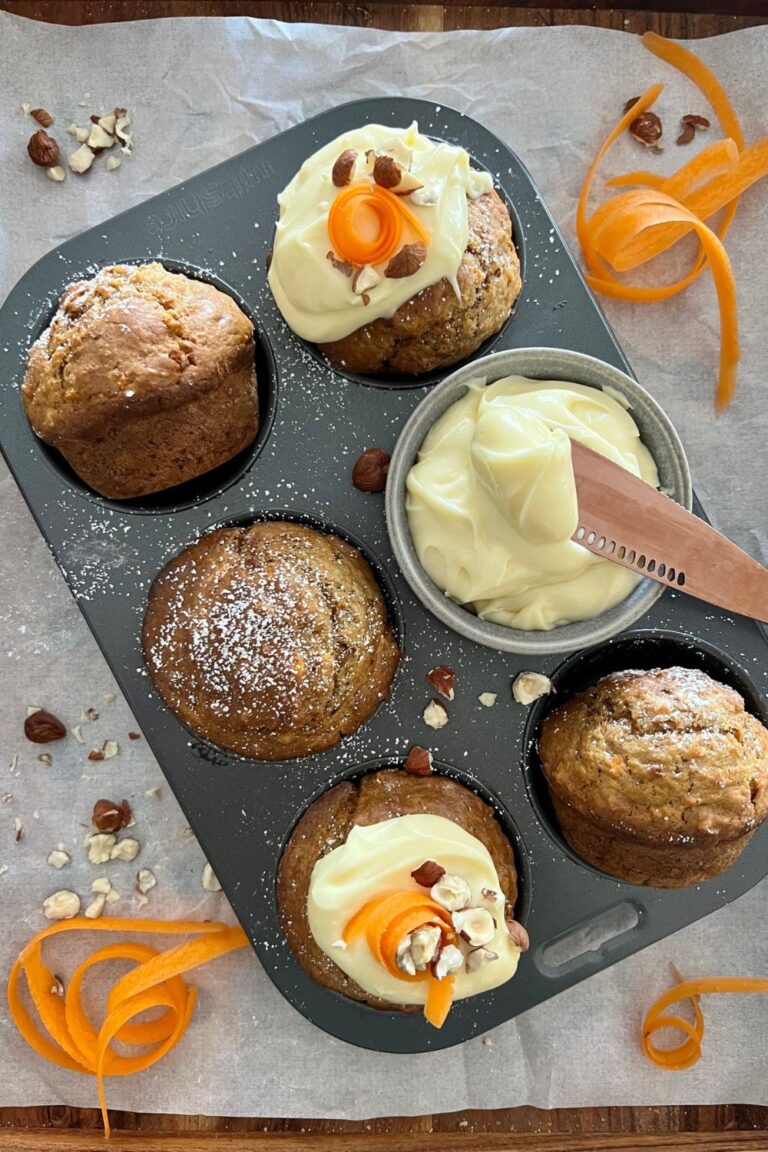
(425, 943)
(428, 874)
(475, 925)
(479, 957)
(344, 167)
(452, 892)
(450, 960)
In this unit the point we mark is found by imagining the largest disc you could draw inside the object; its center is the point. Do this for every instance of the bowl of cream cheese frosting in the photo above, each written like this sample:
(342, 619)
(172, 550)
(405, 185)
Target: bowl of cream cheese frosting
(481, 500)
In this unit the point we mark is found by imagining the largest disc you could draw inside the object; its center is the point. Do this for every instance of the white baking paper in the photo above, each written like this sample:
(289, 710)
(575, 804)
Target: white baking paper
(200, 91)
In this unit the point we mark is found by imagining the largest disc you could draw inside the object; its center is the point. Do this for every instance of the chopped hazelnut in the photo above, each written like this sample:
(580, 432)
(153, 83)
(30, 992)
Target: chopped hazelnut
(443, 680)
(125, 849)
(210, 879)
(529, 686)
(418, 762)
(61, 905)
(435, 714)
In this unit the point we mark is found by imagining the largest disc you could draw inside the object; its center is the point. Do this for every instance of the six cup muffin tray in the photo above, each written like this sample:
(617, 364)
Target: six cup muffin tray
(314, 424)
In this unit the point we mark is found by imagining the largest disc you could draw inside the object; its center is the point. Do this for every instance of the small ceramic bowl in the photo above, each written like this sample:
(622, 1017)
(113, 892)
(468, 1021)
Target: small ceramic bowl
(656, 432)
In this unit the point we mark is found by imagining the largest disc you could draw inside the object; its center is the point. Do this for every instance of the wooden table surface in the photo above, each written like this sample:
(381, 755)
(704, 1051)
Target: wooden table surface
(727, 1128)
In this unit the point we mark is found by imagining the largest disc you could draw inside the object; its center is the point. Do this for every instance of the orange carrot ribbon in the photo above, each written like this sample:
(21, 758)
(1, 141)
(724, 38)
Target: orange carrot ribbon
(385, 921)
(390, 214)
(634, 227)
(624, 219)
(70, 1039)
(657, 1019)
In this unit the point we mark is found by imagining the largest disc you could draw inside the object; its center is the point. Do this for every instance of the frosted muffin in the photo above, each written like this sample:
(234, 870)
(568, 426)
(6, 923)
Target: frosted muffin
(392, 884)
(392, 253)
(143, 380)
(270, 640)
(657, 777)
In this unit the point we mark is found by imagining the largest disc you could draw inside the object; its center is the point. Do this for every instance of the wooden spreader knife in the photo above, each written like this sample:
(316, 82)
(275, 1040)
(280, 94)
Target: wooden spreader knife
(627, 521)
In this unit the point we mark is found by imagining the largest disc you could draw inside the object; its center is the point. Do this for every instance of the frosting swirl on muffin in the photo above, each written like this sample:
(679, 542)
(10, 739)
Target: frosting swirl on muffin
(315, 288)
(380, 857)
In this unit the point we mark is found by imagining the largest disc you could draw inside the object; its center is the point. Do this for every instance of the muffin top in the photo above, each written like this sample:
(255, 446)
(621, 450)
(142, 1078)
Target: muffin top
(133, 340)
(271, 640)
(665, 755)
(364, 837)
(370, 220)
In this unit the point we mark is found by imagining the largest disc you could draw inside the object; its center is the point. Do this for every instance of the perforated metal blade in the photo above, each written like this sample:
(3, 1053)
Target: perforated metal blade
(627, 521)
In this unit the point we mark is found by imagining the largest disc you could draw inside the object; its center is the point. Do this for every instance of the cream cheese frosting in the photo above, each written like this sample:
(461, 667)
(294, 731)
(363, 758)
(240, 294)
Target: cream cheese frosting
(380, 857)
(491, 501)
(315, 298)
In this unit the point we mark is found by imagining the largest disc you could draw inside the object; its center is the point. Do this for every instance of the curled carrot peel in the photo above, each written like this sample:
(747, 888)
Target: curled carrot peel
(717, 159)
(357, 924)
(439, 1000)
(70, 1039)
(635, 227)
(647, 99)
(624, 218)
(750, 166)
(688, 1051)
(391, 216)
(599, 276)
(711, 88)
(385, 921)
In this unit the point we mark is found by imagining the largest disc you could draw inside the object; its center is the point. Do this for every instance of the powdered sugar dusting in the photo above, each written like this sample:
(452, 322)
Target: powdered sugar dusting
(271, 640)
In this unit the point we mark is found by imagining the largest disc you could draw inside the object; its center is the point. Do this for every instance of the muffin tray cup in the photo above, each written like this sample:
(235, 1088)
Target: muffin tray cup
(315, 422)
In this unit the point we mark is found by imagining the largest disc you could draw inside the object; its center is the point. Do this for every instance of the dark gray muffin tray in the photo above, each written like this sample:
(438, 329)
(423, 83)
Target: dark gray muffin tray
(315, 422)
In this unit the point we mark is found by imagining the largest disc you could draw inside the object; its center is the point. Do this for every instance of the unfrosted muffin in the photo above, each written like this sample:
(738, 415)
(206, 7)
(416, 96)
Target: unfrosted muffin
(143, 380)
(363, 839)
(423, 301)
(657, 777)
(271, 640)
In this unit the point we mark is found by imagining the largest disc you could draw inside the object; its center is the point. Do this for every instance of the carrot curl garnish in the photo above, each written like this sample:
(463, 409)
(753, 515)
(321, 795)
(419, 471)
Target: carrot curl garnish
(391, 217)
(385, 921)
(688, 1051)
(70, 1039)
(439, 1000)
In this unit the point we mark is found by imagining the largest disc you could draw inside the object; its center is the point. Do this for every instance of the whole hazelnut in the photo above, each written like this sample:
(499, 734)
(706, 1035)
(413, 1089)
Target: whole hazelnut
(387, 172)
(370, 471)
(647, 129)
(43, 149)
(343, 168)
(42, 727)
(110, 817)
(407, 261)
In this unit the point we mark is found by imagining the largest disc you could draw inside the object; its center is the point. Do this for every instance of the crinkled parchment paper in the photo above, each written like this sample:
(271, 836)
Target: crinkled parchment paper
(200, 91)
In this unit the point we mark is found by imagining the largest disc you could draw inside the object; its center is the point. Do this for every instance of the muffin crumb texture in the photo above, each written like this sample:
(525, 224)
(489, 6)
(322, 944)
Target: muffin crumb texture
(658, 777)
(144, 379)
(270, 640)
(435, 329)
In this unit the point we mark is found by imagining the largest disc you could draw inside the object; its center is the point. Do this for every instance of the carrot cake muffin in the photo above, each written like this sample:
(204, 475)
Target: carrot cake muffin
(143, 379)
(657, 777)
(399, 890)
(392, 253)
(271, 640)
